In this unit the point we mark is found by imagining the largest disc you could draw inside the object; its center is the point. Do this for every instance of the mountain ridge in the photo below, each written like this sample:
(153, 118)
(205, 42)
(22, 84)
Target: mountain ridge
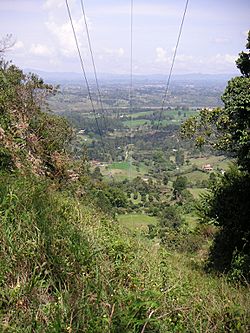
(74, 76)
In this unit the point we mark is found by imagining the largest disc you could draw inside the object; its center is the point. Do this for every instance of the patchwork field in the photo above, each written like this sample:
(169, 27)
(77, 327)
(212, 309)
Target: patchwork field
(136, 222)
(172, 117)
(123, 170)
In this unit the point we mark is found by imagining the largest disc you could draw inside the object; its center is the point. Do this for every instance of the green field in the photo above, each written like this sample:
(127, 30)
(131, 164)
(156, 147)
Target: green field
(172, 113)
(120, 165)
(220, 162)
(194, 176)
(136, 122)
(196, 192)
(176, 118)
(123, 170)
(141, 114)
(136, 222)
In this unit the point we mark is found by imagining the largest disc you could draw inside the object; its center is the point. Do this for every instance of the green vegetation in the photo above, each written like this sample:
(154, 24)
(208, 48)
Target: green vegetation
(87, 248)
(123, 170)
(65, 268)
(226, 205)
(137, 221)
(135, 122)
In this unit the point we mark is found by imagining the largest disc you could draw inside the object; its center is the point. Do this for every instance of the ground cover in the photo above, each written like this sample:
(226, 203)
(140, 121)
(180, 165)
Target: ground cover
(136, 222)
(196, 192)
(122, 170)
(136, 122)
(216, 162)
(202, 302)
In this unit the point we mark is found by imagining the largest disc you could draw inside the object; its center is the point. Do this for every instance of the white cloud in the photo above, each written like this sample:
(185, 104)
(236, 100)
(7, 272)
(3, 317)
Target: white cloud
(185, 63)
(184, 58)
(51, 4)
(115, 52)
(161, 55)
(223, 58)
(18, 45)
(54, 61)
(220, 40)
(64, 36)
(41, 50)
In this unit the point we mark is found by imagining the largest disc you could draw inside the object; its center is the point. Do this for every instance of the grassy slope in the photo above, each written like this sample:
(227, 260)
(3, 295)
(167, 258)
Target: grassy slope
(202, 302)
(194, 301)
(176, 119)
(215, 161)
(196, 192)
(67, 268)
(138, 222)
(122, 170)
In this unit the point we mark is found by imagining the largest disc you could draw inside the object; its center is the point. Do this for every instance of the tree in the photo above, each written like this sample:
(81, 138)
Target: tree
(170, 218)
(179, 157)
(96, 174)
(243, 62)
(117, 197)
(179, 185)
(227, 128)
(227, 204)
(6, 43)
(30, 138)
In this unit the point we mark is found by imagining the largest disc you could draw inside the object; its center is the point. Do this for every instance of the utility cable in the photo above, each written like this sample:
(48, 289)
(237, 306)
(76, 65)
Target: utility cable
(93, 64)
(83, 70)
(131, 85)
(172, 64)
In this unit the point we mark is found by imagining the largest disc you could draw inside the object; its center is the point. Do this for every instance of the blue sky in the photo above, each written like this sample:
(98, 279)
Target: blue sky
(213, 35)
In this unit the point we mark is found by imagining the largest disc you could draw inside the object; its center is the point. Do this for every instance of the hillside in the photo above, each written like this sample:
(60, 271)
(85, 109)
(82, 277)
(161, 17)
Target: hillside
(68, 264)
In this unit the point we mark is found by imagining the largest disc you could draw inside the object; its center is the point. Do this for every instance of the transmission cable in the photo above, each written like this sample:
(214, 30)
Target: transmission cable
(83, 70)
(131, 84)
(93, 64)
(172, 64)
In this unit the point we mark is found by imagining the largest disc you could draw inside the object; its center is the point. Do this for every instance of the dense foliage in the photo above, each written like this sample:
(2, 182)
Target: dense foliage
(227, 204)
(227, 128)
(228, 207)
(30, 139)
(66, 265)
(59, 251)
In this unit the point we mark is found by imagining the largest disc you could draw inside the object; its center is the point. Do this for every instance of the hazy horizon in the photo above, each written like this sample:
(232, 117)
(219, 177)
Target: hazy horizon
(214, 33)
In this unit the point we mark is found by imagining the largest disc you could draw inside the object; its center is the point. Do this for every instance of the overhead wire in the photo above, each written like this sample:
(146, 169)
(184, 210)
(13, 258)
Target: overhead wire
(172, 64)
(131, 69)
(131, 85)
(84, 73)
(93, 64)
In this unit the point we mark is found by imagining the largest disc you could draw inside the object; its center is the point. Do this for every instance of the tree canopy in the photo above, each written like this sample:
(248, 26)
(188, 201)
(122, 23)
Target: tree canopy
(227, 204)
(227, 129)
(30, 138)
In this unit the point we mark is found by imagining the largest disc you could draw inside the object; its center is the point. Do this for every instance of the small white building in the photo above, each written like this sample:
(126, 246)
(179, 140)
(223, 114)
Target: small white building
(207, 167)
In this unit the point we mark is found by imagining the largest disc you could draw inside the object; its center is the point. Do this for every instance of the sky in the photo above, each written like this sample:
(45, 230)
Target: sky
(214, 32)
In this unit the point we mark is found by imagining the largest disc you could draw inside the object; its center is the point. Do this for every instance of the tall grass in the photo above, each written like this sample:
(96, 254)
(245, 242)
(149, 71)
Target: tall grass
(64, 267)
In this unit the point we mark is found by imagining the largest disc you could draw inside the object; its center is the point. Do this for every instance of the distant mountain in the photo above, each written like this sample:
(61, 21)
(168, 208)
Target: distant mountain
(72, 77)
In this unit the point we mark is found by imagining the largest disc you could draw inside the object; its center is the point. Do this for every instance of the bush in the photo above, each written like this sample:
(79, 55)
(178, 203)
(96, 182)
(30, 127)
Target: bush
(64, 268)
(228, 206)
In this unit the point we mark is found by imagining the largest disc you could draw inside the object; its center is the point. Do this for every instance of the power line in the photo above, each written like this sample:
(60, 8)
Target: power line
(131, 83)
(83, 70)
(172, 64)
(93, 64)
